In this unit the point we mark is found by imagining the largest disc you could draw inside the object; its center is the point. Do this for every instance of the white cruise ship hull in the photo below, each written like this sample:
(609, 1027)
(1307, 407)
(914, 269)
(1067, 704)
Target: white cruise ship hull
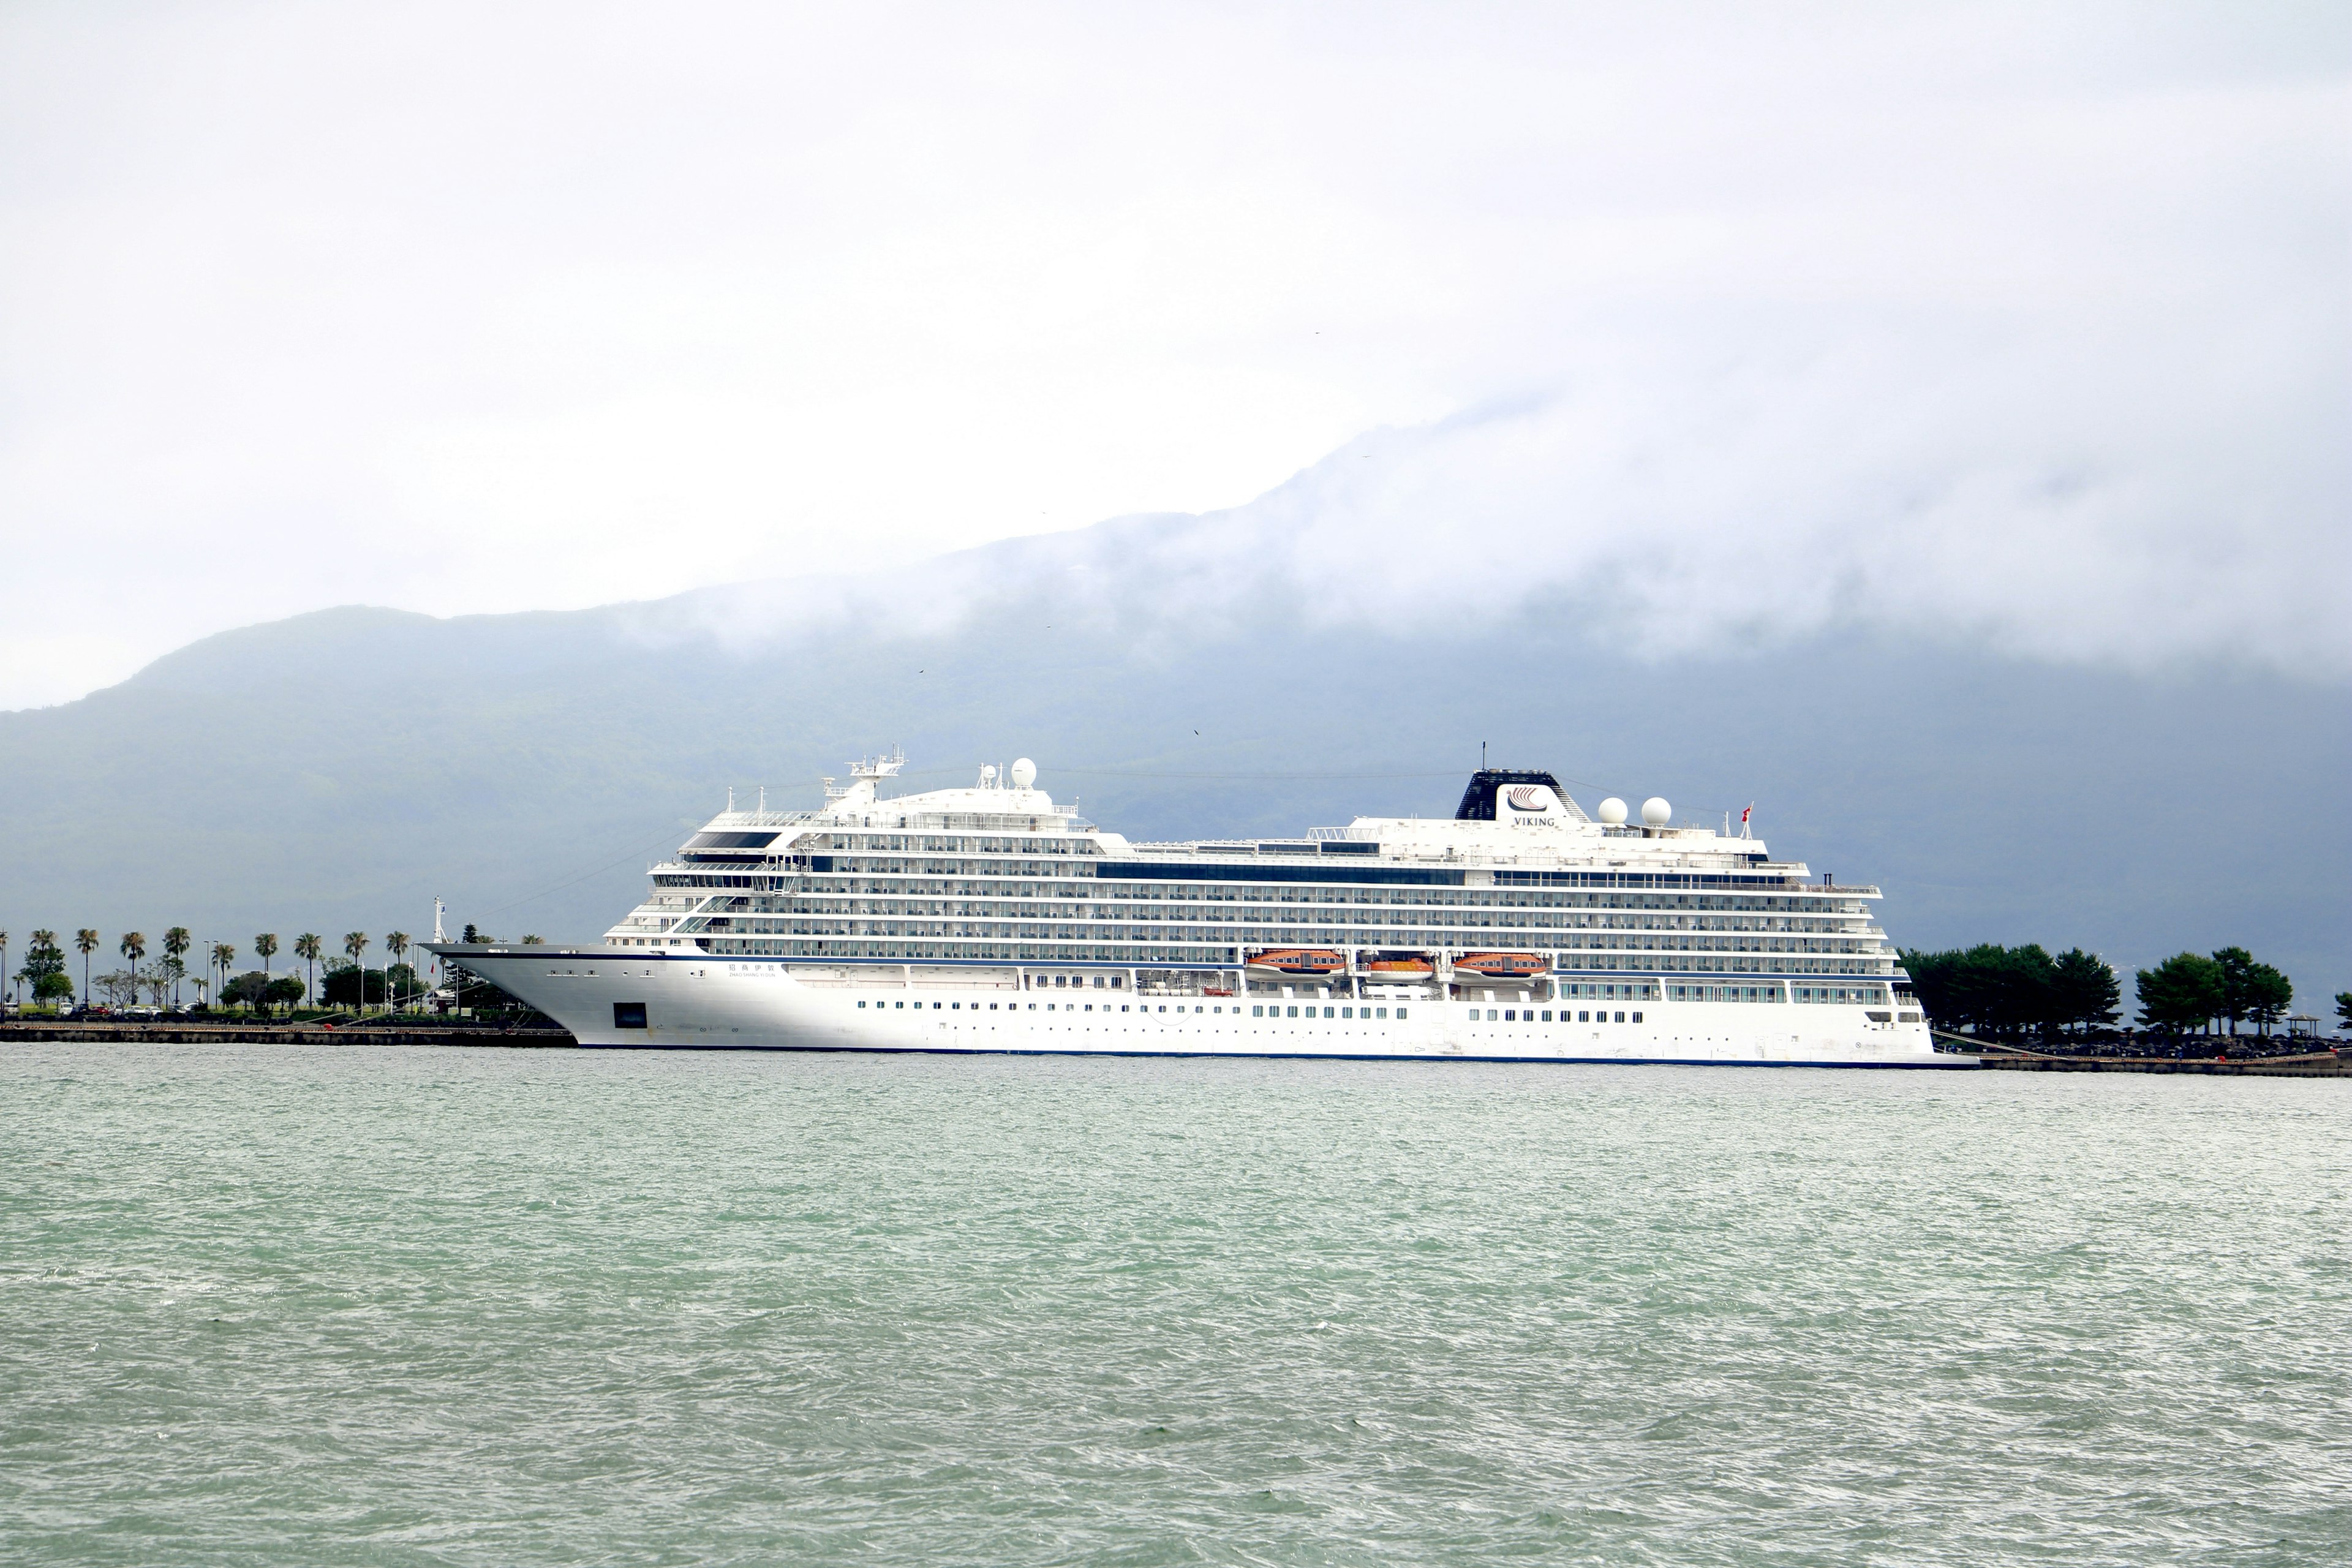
(610, 996)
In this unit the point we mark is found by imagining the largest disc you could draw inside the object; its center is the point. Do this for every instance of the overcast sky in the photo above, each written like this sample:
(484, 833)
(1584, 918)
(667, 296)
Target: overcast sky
(2029, 321)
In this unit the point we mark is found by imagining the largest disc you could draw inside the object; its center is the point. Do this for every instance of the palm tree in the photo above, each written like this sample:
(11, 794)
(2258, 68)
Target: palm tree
(355, 943)
(307, 948)
(395, 942)
(134, 948)
(4, 981)
(85, 943)
(266, 944)
(223, 956)
(175, 947)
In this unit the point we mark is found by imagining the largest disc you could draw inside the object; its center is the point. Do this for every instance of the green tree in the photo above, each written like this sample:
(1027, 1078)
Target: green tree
(85, 943)
(2237, 966)
(1990, 989)
(53, 987)
(223, 955)
(2344, 1009)
(395, 942)
(135, 947)
(45, 962)
(2182, 994)
(2084, 992)
(284, 990)
(3, 958)
(307, 947)
(348, 985)
(2269, 993)
(176, 943)
(265, 948)
(354, 944)
(250, 989)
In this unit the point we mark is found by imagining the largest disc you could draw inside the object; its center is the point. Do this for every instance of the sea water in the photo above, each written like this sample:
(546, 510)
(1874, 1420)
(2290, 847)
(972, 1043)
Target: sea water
(354, 1305)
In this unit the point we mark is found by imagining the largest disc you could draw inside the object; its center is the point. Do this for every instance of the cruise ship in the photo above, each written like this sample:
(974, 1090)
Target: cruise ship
(991, 919)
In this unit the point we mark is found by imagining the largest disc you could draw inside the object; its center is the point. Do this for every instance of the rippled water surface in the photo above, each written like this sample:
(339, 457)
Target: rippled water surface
(370, 1306)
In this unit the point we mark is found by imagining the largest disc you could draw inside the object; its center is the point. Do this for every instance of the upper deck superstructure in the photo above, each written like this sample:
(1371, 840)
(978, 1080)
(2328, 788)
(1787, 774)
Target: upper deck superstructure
(1000, 873)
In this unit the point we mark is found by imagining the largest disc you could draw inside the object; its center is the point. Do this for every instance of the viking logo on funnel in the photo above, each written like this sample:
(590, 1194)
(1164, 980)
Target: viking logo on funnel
(1530, 798)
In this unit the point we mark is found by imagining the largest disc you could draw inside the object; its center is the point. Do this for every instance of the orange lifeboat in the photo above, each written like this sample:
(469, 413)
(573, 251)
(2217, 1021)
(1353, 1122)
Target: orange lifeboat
(1400, 968)
(1308, 963)
(1500, 966)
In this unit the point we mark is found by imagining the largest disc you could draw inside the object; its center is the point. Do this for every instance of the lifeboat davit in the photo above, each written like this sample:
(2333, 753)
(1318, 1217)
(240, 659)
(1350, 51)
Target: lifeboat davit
(1312, 962)
(1500, 966)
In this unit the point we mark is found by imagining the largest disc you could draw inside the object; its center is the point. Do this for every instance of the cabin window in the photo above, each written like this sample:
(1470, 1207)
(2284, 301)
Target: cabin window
(861, 1003)
(1584, 1017)
(1326, 1012)
(1384, 1012)
(1547, 1017)
(1258, 1012)
(1294, 1012)
(1347, 1012)
(1621, 1017)
(1399, 1012)
(1637, 1017)
(1510, 1015)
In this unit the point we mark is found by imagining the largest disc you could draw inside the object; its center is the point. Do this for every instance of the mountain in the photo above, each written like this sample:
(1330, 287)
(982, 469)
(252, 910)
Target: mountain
(338, 770)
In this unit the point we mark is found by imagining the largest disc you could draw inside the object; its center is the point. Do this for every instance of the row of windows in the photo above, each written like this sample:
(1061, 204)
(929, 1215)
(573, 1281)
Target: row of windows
(1272, 1010)
(1529, 1015)
(845, 878)
(1218, 1008)
(967, 907)
(1203, 893)
(1223, 955)
(1726, 993)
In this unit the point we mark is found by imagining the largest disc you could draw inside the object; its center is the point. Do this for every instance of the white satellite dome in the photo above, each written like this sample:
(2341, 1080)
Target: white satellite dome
(987, 771)
(1656, 812)
(1025, 773)
(1613, 812)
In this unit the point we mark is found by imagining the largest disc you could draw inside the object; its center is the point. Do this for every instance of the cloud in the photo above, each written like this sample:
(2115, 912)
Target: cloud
(2024, 324)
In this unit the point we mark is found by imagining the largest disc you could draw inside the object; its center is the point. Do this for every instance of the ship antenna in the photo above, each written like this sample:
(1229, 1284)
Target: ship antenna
(1482, 756)
(731, 797)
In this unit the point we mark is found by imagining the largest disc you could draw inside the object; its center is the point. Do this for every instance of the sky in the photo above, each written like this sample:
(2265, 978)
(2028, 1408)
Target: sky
(2023, 325)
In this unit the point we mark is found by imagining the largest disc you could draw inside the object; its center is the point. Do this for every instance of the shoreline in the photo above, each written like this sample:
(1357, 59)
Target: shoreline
(180, 1033)
(2316, 1064)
